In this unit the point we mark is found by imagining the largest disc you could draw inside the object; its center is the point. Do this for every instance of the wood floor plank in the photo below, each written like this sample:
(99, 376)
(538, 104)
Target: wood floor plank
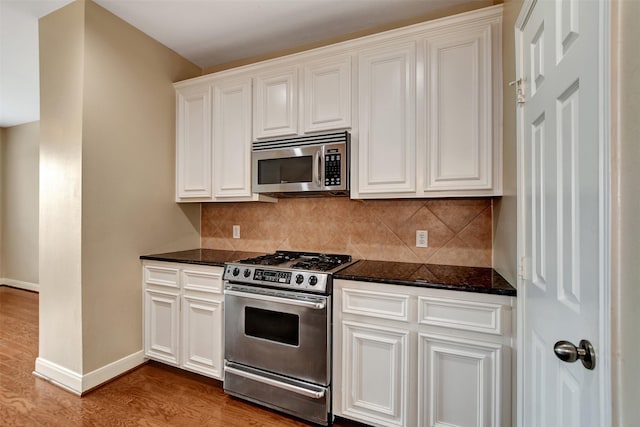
(154, 395)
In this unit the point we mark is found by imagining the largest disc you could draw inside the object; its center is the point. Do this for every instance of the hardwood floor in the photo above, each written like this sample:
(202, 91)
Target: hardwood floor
(151, 395)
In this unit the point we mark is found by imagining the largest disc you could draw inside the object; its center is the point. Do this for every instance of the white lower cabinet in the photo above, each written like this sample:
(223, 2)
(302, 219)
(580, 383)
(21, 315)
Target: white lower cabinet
(374, 356)
(183, 316)
(411, 356)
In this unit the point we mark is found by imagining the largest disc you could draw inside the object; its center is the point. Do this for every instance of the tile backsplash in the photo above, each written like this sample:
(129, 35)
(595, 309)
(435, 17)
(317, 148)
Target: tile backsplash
(460, 230)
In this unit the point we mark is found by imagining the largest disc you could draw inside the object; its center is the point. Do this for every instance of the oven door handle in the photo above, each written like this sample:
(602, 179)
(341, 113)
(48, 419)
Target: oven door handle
(289, 387)
(316, 305)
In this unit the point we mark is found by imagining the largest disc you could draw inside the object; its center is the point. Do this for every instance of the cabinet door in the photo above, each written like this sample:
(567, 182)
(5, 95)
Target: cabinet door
(162, 314)
(232, 139)
(202, 336)
(327, 95)
(193, 151)
(276, 103)
(387, 142)
(374, 374)
(459, 125)
(459, 382)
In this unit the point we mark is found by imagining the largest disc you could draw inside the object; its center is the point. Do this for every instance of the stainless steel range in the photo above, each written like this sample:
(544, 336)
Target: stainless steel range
(278, 331)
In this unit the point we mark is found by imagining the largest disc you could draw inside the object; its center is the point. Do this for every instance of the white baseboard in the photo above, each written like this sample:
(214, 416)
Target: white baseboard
(79, 384)
(21, 285)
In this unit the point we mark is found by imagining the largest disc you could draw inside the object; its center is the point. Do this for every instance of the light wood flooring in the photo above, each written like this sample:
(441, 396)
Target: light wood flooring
(151, 395)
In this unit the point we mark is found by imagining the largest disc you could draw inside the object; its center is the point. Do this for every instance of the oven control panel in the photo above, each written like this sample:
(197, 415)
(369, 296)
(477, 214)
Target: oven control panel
(308, 281)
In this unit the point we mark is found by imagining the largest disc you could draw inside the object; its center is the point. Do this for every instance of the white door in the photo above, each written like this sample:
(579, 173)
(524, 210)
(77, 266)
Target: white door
(563, 232)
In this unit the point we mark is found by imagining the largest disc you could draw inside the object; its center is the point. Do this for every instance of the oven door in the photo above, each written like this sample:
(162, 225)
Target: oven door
(283, 332)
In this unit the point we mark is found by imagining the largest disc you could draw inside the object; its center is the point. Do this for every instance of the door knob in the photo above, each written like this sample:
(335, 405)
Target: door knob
(567, 352)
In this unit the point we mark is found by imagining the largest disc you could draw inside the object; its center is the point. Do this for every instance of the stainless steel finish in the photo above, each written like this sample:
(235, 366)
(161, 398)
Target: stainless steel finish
(319, 168)
(267, 296)
(321, 286)
(316, 147)
(252, 387)
(567, 352)
(308, 358)
(269, 381)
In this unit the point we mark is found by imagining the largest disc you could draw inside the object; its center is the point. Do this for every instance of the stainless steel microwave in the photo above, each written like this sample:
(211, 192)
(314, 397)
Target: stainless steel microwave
(305, 165)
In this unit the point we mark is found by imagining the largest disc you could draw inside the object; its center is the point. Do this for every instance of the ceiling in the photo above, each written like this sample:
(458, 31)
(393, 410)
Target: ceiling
(206, 32)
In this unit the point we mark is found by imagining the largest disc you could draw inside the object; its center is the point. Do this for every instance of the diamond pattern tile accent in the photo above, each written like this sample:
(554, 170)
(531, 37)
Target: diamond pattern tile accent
(460, 230)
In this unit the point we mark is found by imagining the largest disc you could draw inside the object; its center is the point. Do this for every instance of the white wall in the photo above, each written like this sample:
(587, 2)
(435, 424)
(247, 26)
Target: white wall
(505, 226)
(19, 218)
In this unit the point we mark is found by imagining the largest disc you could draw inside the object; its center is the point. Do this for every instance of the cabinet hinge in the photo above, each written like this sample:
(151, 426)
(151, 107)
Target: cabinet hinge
(522, 270)
(519, 84)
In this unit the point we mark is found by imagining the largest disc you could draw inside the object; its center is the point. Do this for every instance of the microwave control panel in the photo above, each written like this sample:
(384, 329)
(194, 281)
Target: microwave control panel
(332, 166)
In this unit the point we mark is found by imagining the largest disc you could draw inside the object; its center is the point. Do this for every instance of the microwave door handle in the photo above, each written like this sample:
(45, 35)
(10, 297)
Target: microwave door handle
(319, 168)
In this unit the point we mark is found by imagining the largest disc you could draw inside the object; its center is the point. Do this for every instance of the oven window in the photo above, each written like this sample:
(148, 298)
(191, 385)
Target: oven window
(272, 325)
(281, 171)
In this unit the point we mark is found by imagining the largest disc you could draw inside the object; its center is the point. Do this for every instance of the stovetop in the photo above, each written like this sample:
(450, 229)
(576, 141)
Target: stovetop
(304, 271)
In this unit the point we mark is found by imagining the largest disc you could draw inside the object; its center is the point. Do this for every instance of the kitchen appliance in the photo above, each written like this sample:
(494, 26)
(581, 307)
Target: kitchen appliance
(278, 331)
(312, 165)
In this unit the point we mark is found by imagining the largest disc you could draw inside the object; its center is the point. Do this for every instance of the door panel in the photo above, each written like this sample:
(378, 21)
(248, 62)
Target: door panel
(562, 203)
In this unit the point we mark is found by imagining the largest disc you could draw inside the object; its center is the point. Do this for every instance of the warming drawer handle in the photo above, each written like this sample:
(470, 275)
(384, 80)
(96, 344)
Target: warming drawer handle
(261, 297)
(289, 387)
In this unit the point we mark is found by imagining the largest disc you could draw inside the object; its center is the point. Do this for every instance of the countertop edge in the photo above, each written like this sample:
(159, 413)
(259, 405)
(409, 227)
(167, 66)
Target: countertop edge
(462, 288)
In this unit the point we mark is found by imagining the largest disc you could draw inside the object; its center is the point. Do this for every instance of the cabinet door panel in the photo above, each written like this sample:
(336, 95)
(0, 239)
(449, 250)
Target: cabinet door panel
(202, 335)
(232, 139)
(459, 125)
(459, 382)
(162, 314)
(327, 95)
(276, 104)
(193, 156)
(387, 119)
(374, 374)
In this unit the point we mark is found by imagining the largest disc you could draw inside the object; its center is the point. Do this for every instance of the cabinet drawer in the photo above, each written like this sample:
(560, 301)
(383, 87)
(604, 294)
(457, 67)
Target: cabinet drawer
(161, 276)
(203, 281)
(466, 315)
(376, 304)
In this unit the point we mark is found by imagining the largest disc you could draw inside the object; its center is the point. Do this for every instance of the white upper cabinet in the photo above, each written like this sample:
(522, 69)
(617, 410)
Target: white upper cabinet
(276, 103)
(327, 94)
(232, 138)
(423, 104)
(430, 109)
(460, 101)
(193, 144)
(386, 105)
(213, 145)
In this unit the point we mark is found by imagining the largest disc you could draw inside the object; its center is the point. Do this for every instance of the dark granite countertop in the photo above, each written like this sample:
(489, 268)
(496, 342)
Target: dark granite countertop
(214, 257)
(469, 279)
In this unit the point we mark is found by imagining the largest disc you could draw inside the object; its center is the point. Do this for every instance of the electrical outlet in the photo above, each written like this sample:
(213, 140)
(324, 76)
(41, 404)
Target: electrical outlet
(236, 231)
(422, 239)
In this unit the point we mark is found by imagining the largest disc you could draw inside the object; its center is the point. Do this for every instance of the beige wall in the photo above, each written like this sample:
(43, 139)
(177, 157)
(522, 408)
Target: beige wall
(447, 11)
(459, 229)
(60, 213)
(108, 128)
(626, 211)
(505, 208)
(19, 220)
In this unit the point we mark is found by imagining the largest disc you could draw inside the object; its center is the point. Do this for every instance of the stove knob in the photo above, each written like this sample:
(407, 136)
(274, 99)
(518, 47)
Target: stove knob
(299, 279)
(246, 272)
(313, 280)
(236, 271)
